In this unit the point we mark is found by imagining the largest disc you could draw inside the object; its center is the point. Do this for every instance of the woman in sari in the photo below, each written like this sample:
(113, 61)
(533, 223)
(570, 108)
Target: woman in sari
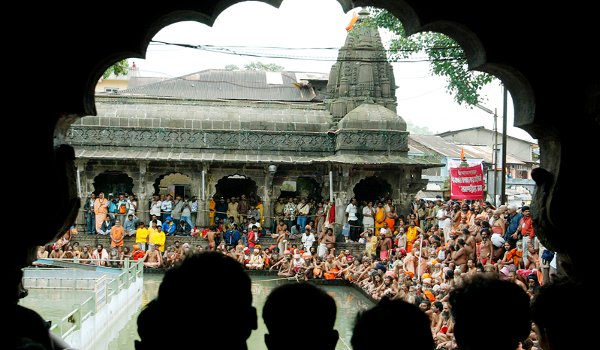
(390, 218)
(379, 218)
(100, 209)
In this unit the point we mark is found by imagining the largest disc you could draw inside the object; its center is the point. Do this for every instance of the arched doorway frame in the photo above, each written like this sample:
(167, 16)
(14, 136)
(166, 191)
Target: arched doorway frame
(220, 192)
(127, 186)
(157, 189)
(382, 182)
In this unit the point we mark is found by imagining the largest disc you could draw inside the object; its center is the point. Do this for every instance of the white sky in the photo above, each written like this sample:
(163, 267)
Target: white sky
(422, 97)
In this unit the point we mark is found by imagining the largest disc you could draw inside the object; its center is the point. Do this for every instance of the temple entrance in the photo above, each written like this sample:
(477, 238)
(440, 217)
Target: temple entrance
(176, 184)
(113, 182)
(302, 187)
(235, 186)
(372, 188)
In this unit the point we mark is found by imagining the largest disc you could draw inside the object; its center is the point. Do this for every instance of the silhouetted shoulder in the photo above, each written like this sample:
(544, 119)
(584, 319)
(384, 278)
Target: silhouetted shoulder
(559, 319)
(470, 305)
(200, 297)
(315, 322)
(409, 323)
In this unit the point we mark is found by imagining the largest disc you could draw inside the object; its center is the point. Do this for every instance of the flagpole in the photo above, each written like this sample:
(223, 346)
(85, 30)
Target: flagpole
(419, 263)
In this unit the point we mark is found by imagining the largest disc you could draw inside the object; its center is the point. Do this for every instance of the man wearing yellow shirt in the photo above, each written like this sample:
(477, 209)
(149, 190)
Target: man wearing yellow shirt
(158, 238)
(141, 235)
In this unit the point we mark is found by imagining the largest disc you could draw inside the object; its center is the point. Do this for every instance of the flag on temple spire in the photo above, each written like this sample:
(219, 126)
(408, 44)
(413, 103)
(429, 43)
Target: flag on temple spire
(462, 153)
(352, 21)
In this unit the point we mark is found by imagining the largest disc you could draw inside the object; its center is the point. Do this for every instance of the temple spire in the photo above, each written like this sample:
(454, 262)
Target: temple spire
(362, 73)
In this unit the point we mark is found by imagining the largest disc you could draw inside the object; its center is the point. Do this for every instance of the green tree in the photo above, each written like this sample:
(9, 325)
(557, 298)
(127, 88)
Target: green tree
(119, 68)
(419, 130)
(447, 57)
(267, 67)
(231, 67)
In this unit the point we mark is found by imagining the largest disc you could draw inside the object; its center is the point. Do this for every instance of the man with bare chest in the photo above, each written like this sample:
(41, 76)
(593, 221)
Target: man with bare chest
(329, 240)
(485, 248)
(153, 257)
(210, 237)
(385, 245)
(461, 255)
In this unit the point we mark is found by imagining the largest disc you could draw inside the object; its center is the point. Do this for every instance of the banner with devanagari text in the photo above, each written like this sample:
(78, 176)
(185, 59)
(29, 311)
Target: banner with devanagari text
(466, 183)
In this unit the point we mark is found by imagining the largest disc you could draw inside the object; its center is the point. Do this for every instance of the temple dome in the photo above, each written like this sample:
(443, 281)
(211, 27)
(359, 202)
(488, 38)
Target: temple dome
(371, 116)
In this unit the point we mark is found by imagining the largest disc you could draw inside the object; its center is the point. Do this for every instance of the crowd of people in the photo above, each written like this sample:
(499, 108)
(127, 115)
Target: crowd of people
(101, 213)
(466, 323)
(420, 259)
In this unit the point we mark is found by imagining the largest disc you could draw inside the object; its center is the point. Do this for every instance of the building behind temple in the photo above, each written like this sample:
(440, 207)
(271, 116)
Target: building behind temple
(265, 134)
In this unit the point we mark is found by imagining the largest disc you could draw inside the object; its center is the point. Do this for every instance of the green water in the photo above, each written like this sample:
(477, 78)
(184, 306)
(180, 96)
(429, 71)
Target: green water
(54, 304)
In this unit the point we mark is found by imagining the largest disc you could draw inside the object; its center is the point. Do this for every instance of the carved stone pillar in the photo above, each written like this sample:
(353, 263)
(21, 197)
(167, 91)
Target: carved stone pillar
(267, 197)
(341, 202)
(211, 189)
(82, 192)
(203, 198)
(142, 194)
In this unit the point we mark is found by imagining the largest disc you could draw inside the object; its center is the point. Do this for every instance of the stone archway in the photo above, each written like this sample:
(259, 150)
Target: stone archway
(236, 185)
(72, 95)
(372, 189)
(175, 184)
(113, 182)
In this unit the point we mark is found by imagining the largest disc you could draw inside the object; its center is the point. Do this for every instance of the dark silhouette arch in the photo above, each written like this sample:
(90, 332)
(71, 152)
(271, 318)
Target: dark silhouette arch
(235, 186)
(113, 182)
(372, 188)
(565, 117)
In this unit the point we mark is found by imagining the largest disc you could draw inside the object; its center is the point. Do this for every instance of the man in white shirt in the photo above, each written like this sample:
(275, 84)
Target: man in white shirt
(155, 206)
(302, 209)
(351, 211)
(308, 238)
(155, 217)
(444, 223)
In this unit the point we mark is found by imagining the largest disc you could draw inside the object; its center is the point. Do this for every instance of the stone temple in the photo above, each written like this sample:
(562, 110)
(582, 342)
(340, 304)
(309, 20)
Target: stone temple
(269, 134)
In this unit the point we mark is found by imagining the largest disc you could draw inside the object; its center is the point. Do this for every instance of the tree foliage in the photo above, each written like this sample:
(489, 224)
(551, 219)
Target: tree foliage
(266, 67)
(419, 130)
(231, 67)
(119, 68)
(446, 56)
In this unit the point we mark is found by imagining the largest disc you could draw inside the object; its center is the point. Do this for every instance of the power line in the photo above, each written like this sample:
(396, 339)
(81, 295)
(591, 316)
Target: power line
(228, 51)
(292, 48)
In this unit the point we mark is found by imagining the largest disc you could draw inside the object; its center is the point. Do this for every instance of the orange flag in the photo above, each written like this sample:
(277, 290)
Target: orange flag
(352, 22)
(462, 153)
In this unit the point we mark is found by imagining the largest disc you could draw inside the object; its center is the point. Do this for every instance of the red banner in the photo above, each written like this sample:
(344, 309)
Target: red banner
(466, 183)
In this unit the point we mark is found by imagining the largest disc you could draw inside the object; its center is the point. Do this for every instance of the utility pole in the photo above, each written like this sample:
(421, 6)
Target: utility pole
(495, 155)
(494, 151)
(504, 145)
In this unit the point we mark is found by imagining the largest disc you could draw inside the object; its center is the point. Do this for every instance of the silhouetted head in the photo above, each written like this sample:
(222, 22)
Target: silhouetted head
(558, 322)
(321, 318)
(410, 324)
(470, 332)
(221, 288)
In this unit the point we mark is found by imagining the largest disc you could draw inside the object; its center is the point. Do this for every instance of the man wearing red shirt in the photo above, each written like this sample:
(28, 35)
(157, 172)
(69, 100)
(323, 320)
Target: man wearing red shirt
(525, 229)
(137, 253)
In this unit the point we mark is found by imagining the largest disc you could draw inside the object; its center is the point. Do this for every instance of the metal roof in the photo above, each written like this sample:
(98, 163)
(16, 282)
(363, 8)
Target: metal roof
(241, 157)
(214, 84)
(485, 153)
(481, 128)
(433, 143)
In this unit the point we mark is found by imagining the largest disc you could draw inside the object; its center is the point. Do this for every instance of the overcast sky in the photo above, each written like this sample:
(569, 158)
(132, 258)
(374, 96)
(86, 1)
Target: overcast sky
(249, 27)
